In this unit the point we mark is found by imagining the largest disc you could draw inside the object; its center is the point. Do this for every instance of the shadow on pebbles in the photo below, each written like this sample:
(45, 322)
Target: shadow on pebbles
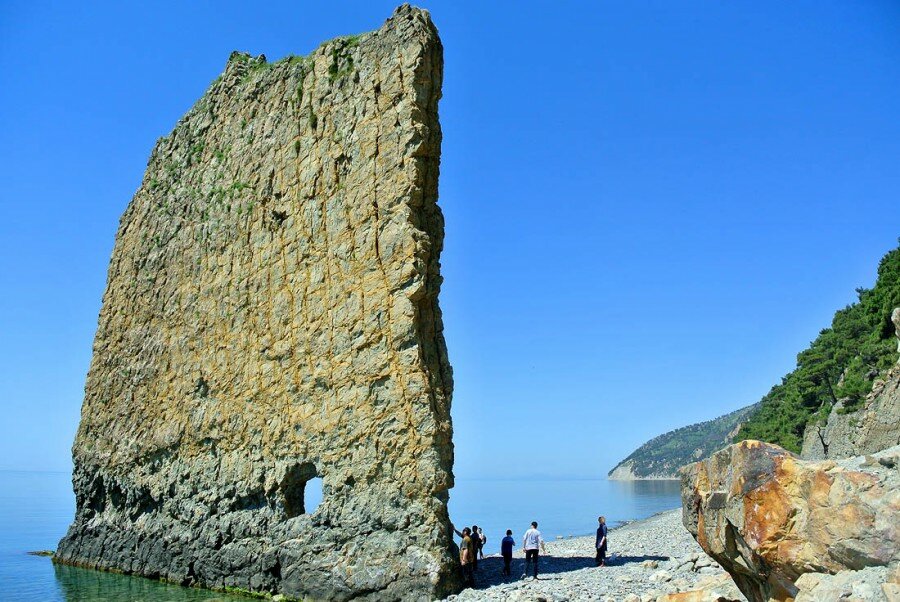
(648, 559)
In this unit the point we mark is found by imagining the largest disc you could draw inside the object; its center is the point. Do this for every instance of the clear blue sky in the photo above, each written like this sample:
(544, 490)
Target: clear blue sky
(651, 207)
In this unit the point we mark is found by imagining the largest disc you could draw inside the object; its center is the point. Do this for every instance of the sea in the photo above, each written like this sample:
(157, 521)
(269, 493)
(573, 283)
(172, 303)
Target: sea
(36, 508)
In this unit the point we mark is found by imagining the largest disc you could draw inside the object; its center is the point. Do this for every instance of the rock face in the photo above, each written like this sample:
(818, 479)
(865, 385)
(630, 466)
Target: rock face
(872, 428)
(271, 315)
(624, 471)
(769, 518)
(895, 320)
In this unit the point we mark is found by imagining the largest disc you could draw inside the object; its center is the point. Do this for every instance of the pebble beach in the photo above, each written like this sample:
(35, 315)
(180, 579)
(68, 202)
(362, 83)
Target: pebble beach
(647, 560)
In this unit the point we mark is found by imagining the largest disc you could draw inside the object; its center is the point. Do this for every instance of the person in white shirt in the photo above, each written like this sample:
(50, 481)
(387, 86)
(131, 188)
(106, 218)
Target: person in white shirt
(531, 543)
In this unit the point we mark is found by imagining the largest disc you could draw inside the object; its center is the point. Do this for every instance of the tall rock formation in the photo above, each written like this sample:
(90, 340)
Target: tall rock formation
(271, 315)
(787, 529)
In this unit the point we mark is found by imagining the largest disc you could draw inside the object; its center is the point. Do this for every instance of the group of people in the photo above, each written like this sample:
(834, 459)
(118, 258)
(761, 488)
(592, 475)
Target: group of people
(470, 548)
(474, 540)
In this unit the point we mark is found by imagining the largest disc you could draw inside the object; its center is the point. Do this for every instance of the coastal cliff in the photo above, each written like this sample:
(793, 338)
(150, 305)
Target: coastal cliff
(271, 316)
(661, 457)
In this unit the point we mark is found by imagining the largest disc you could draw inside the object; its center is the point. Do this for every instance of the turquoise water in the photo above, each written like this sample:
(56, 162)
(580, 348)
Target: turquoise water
(35, 511)
(37, 507)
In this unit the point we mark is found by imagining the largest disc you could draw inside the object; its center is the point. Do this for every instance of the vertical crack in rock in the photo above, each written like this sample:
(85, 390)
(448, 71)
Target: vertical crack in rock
(271, 316)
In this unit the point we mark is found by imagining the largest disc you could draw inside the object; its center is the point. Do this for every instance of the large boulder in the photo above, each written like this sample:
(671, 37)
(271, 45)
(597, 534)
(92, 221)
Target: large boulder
(769, 517)
(271, 317)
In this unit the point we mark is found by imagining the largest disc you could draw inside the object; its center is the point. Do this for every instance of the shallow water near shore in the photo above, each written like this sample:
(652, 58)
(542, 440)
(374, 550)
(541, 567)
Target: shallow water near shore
(37, 507)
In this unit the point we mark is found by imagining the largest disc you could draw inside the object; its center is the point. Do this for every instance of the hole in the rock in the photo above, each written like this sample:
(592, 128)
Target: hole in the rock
(279, 216)
(313, 494)
(301, 489)
(202, 387)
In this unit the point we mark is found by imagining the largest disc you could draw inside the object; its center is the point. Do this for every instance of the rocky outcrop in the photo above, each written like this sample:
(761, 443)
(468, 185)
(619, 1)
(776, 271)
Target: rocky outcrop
(775, 522)
(661, 457)
(873, 427)
(626, 472)
(895, 320)
(271, 315)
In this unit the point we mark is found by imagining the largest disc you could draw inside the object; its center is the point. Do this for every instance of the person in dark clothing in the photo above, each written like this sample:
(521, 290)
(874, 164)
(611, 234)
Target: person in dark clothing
(601, 542)
(506, 550)
(475, 541)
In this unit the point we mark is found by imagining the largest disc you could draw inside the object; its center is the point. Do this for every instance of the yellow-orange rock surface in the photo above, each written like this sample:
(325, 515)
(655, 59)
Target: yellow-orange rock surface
(768, 517)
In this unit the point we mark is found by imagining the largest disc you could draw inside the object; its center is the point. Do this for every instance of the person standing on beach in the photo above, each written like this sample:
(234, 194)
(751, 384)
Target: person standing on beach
(531, 543)
(506, 549)
(601, 542)
(467, 556)
(482, 539)
(473, 540)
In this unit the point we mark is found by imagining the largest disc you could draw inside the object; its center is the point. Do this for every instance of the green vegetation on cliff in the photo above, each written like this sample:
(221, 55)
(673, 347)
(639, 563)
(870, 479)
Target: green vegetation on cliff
(841, 363)
(662, 456)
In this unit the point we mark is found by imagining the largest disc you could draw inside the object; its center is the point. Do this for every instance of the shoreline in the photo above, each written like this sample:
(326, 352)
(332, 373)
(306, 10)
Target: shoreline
(619, 524)
(647, 558)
